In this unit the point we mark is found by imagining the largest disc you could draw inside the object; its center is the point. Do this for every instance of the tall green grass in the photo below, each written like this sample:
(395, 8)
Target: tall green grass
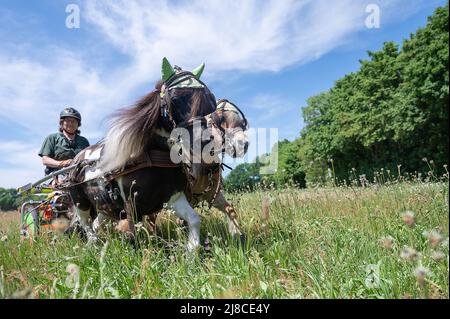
(337, 242)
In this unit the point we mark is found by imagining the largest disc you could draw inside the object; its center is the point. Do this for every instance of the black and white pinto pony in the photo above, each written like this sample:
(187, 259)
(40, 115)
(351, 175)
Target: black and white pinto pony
(134, 172)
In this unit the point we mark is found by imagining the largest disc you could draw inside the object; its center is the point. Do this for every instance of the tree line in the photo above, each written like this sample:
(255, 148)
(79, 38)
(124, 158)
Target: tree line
(8, 199)
(391, 114)
(11, 200)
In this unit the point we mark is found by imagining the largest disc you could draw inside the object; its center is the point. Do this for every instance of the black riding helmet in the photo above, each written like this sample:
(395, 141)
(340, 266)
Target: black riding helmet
(70, 112)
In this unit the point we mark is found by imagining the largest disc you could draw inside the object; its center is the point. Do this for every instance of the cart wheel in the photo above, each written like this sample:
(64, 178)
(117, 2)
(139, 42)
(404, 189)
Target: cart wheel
(30, 221)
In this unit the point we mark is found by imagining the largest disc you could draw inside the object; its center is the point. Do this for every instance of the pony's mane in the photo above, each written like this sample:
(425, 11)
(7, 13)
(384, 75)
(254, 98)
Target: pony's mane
(132, 128)
(186, 103)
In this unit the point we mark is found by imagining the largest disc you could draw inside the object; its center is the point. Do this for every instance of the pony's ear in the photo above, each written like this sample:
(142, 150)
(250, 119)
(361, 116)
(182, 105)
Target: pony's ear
(166, 69)
(198, 71)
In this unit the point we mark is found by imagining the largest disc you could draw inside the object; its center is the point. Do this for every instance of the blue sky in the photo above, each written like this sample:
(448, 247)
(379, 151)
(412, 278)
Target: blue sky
(268, 57)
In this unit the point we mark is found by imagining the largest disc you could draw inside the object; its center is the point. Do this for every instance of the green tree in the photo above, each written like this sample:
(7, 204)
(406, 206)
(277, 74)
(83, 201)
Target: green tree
(289, 171)
(243, 177)
(8, 199)
(393, 110)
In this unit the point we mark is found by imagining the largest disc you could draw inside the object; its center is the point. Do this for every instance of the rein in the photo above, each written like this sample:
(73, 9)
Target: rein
(152, 158)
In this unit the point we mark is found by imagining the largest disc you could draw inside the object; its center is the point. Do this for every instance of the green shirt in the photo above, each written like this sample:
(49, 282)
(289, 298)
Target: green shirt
(59, 147)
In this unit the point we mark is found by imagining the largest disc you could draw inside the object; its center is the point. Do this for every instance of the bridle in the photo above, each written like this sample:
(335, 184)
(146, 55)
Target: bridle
(185, 79)
(181, 79)
(217, 119)
(222, 104)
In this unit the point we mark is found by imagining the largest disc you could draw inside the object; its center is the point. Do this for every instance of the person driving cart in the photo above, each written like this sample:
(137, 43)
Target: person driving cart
(60, 148)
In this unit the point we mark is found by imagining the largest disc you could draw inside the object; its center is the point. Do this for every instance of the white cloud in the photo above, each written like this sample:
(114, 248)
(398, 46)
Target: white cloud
(15, 146)
(32, 93)
(22, 161)
(230, 35)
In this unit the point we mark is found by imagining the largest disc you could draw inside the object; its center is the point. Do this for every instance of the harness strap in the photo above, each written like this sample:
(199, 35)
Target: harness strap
(152, 158)
(205, 188)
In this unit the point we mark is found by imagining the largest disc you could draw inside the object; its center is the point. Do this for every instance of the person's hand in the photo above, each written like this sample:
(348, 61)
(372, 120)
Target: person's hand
(65, 163)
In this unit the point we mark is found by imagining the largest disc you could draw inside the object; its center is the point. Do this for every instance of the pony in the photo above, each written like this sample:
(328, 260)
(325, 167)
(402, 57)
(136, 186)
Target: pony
(145, 162)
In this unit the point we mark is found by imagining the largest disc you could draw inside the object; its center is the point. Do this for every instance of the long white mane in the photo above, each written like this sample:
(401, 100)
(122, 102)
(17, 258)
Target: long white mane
(120, 145)
(130, 131)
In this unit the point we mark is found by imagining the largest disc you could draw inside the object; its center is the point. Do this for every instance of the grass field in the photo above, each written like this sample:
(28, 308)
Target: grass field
(373, 242)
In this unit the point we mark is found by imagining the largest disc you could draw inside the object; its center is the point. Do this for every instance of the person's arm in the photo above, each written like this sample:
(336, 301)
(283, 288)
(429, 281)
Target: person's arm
(50, 162)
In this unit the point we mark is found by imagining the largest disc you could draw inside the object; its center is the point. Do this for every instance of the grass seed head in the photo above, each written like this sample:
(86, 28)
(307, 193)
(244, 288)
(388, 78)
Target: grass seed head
(387, 242)
(437, 256)
(434, 237)
(409, 253)
(26, 293)
(265, 211)
(72, 269)
(409, 218)
(421, 274)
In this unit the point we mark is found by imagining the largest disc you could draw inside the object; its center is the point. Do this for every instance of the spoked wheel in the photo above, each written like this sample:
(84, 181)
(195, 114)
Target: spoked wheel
(29, 220)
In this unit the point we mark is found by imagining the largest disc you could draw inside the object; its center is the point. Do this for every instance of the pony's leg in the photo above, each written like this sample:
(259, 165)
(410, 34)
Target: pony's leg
(74, 221)
(224, 206)
(131, 232)
(84, 216)
(99, 221)
(183, 210)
